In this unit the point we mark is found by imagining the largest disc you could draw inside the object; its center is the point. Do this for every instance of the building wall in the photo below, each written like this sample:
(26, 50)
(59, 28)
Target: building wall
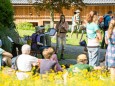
(27, 13)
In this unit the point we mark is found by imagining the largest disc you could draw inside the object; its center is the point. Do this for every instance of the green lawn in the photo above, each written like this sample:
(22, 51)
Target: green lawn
(71, 41)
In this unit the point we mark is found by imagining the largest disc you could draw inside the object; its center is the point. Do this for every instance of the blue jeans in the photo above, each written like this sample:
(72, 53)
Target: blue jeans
(94, 55)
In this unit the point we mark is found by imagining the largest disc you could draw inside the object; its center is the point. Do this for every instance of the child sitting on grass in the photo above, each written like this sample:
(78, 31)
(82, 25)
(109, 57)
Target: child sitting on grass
(54, 58)
(46, 64)
(82, 64)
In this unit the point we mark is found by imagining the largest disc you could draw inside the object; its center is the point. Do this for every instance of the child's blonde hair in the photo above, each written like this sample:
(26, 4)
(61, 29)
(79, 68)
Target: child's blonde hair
(47, 53)
(111, 27)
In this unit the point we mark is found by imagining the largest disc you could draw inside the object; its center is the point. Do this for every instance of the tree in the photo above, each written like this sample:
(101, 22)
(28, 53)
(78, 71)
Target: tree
(57, 5)
(7, 26)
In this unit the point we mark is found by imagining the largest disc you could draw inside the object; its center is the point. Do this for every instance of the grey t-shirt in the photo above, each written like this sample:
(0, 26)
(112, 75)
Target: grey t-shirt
(46, 65)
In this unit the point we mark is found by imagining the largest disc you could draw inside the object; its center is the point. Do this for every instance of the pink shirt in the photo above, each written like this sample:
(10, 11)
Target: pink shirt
(54, 58)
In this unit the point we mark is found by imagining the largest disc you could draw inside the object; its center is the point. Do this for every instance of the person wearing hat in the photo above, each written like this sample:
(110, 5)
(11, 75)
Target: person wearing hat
(75, 22)
(82, 65)
(38, 40)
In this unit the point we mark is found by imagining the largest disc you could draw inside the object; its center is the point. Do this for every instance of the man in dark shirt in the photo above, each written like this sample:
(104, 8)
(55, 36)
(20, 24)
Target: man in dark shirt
(107, 19)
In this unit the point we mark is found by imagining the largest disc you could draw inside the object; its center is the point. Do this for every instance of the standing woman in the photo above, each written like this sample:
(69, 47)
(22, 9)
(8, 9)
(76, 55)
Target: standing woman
(94, 36)
(110, 53)
(62, 28)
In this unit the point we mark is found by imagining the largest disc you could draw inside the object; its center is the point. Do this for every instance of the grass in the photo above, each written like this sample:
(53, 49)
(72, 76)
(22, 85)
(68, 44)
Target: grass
(69, 41)
(73, 40)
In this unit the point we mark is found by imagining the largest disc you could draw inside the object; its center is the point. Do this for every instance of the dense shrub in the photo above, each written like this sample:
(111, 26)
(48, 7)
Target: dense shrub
(25, 26)
(6, 13)
(7, 26)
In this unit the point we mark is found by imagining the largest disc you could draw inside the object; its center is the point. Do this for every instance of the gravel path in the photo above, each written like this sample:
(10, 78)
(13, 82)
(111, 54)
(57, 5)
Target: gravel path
(75, 51)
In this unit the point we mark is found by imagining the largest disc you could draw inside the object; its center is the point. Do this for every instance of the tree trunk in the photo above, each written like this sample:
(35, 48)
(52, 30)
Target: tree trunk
(51, 18)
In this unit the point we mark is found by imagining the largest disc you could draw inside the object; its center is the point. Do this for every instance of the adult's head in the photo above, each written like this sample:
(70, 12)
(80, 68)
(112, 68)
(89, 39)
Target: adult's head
(26, 49)
(77, 12)
(62, 18)
(92, 13)
(109, 12)
(89, 18)
(40, 29)
(82, 58)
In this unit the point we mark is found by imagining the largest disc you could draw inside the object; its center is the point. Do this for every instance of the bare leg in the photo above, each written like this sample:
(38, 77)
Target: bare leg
(7, 60)
(72, 30)
(77, 32)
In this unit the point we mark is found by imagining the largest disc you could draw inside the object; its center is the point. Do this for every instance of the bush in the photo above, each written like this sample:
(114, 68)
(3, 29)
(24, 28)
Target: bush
(25, 26)
(6, 13)
(47, 26)
(7, 26)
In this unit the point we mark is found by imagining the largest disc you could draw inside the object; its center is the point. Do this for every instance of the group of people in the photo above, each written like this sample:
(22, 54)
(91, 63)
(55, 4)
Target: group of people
(25, 61)
(94, 37)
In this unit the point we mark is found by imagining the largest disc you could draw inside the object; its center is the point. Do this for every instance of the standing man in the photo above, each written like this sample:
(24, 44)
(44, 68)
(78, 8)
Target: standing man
(107, 19)
(76, 22)
(62, 28)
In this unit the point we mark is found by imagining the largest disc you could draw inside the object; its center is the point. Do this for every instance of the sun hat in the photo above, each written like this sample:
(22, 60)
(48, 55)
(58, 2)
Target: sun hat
(77, 11)
(38, 28)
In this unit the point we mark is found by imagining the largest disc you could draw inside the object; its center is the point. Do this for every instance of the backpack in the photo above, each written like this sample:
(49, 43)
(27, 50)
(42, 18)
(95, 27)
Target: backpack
(101, 22)
(34, 38)
(14, 63)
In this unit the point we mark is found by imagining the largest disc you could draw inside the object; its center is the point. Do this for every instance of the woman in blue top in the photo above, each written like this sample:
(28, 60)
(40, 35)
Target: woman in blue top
(94, 36)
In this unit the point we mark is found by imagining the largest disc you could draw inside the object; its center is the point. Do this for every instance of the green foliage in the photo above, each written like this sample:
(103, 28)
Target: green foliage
(25, 26)
(58, 5)
(7, 26)
(47, 27)
(6, 13)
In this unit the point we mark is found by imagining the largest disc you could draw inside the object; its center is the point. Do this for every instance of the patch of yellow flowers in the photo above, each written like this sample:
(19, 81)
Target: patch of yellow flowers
(84, 78)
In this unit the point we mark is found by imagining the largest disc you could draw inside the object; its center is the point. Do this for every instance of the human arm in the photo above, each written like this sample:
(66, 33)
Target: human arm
(106, 38)
(99, 36)
(34, 61)
(66, 26)
(97, 68)
(5, 53)
(39, 43)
